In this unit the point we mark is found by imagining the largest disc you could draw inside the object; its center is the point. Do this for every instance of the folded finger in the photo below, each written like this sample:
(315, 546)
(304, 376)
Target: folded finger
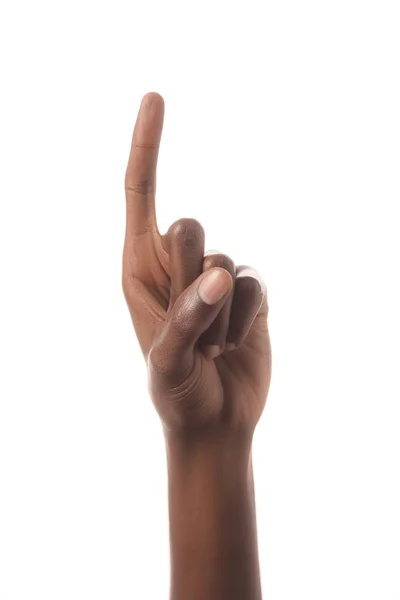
(213, 340)
(247, 300)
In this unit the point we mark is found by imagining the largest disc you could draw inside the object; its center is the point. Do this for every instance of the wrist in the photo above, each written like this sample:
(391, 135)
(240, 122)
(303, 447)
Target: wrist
(214, 467)
(214, 453)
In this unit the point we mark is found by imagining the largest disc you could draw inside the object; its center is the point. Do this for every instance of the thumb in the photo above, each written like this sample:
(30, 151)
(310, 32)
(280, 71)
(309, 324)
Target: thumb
(193, 312)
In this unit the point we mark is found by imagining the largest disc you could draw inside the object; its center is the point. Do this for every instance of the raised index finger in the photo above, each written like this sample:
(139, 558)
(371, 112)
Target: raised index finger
(140, 176)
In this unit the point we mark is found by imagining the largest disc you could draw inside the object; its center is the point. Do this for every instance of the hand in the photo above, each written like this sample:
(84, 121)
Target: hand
(201, 322)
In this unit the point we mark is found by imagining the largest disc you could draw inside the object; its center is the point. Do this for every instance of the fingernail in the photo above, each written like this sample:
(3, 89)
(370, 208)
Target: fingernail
(214, 285)
(213, 251)
(229, 346)
(249, 272)
(211, 351)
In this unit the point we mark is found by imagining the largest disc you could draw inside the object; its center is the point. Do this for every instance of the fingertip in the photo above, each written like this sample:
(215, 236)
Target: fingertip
(229, 346)
(149, 121)
(211, 351)
(153, 100)
(212, 252)
(154, 95)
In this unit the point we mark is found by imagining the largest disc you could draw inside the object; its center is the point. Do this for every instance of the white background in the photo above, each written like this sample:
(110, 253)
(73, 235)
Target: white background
(282, 137)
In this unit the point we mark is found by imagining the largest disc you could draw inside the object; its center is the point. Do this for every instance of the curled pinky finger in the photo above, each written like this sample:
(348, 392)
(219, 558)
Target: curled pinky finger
(250, 294)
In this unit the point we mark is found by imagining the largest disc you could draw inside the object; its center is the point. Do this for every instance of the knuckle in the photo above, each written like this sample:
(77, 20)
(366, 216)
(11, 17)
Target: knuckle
(126, 281)
(124, 284)
(142, 187)
(251, 283)
(160, 360)
(130, 285)
(186, 232)
(155, 357)
(219, 260)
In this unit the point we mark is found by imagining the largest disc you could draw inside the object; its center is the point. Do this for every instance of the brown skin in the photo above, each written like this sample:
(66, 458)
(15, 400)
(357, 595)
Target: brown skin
(202, 325)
